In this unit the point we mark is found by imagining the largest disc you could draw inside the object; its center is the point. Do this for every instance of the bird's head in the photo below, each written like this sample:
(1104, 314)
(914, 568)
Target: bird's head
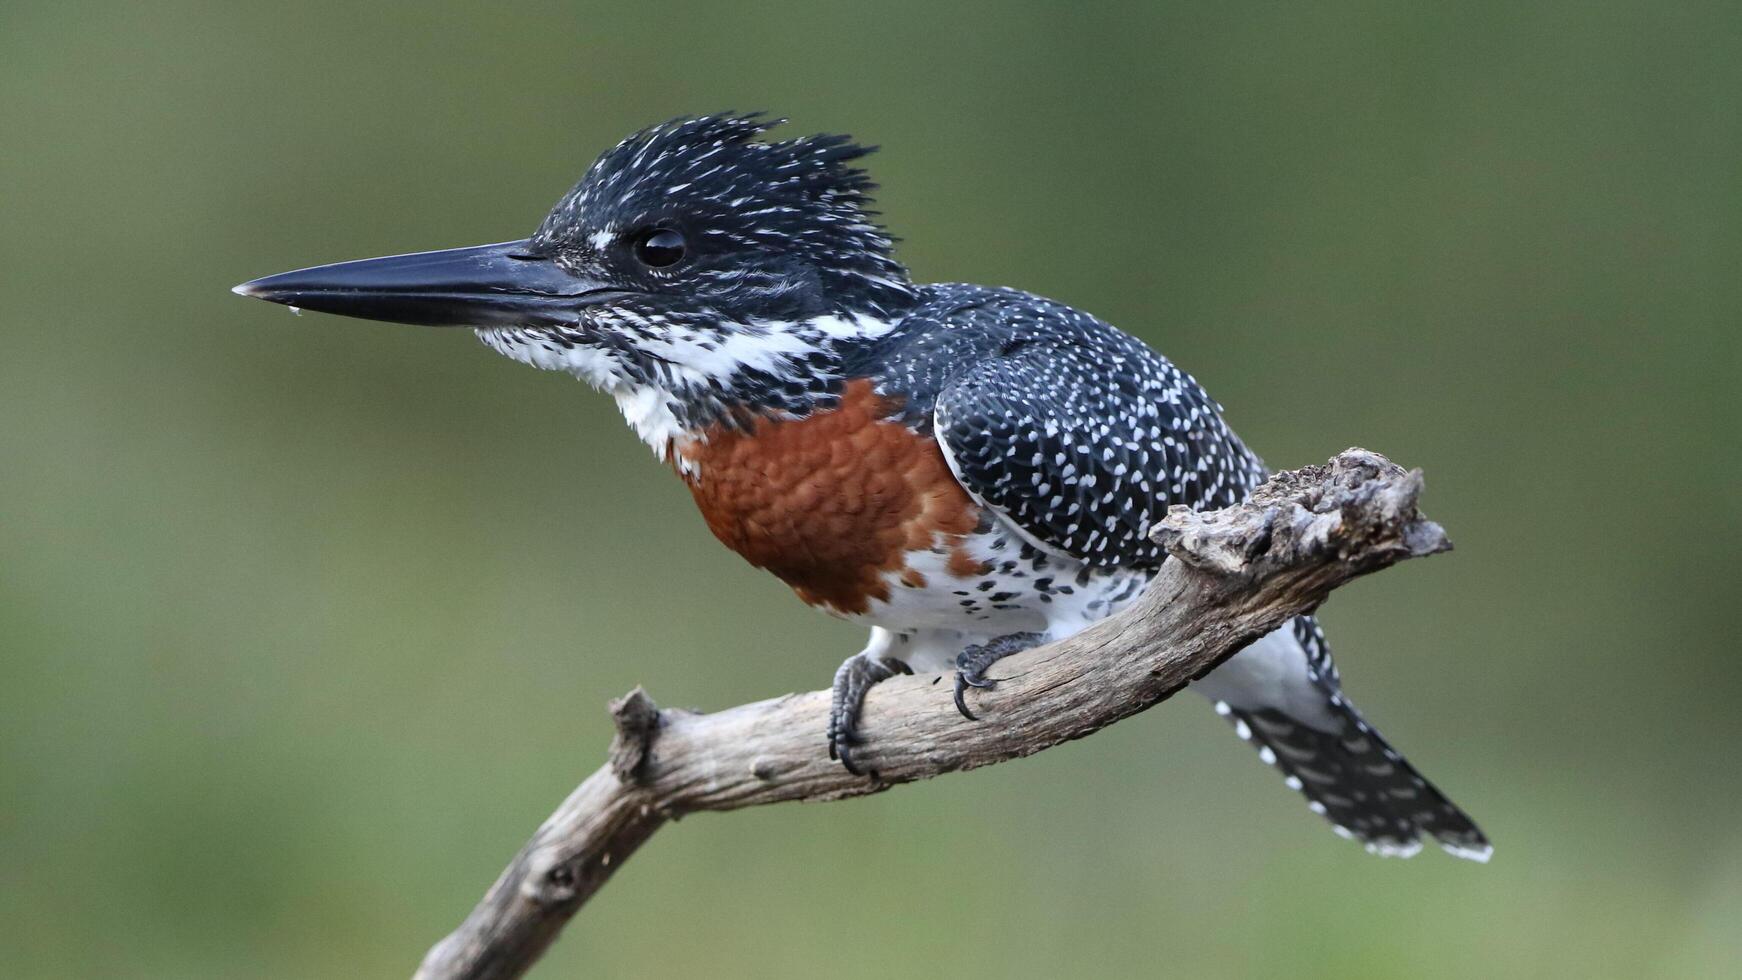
(693, 255)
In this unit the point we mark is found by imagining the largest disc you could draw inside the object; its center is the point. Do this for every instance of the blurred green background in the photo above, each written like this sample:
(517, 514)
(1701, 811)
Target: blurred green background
(306, 623)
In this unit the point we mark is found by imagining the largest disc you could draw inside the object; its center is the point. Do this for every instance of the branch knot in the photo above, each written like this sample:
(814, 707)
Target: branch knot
(637, 720)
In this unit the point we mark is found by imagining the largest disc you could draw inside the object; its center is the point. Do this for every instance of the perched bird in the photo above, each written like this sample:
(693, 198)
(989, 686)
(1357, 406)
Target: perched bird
(968, 471)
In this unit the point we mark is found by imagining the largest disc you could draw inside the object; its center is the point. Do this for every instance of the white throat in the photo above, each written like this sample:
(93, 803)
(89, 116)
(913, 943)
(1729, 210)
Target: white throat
(695, 363)
(646, 407)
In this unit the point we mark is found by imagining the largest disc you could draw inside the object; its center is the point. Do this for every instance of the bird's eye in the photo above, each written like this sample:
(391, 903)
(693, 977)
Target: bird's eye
(659, 247)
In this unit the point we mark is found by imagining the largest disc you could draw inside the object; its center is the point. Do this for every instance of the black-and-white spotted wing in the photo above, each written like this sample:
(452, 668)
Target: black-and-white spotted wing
(1082, 437)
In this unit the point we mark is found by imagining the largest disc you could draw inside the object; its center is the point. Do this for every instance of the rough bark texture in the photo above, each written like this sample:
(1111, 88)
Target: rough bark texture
(1236, 574)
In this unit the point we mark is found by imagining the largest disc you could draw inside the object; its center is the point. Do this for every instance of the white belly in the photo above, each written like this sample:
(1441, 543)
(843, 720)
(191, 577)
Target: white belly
(1025, 591)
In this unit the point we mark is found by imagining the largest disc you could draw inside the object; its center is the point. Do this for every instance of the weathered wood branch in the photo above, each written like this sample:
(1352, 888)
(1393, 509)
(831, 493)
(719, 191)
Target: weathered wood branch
(1237, 574)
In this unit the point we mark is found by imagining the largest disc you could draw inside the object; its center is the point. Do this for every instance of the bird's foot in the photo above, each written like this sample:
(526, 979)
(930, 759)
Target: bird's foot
(857, 675)
(972, 662)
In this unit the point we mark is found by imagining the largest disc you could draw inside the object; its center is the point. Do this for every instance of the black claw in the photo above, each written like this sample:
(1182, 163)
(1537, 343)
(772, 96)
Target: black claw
(856, 677)
(971, 674)
(971, 665)
(845, 755)
(962, 685)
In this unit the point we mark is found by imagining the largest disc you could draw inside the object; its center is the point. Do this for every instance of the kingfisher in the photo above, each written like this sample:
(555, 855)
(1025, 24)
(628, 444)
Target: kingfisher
(967, 471)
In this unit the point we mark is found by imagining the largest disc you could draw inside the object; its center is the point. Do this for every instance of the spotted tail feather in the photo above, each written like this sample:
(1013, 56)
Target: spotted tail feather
(1353, 778)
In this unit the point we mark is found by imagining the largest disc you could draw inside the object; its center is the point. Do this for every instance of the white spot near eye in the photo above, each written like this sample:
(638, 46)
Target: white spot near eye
(601, 240)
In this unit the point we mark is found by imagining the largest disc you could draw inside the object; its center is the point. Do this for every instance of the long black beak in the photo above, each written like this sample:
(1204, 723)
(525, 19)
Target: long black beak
(504, 285)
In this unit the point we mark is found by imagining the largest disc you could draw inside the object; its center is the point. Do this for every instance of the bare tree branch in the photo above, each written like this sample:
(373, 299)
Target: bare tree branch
(1239, 573)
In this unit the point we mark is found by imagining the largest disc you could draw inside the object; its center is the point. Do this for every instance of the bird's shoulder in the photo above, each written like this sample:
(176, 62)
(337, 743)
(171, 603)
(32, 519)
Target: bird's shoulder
(957, 327)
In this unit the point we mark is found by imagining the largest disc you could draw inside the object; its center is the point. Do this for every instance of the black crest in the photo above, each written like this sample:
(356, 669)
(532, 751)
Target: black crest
(794, 215)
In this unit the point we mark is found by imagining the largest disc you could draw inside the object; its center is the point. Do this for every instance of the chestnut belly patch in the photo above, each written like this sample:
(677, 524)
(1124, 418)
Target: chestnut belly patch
(833, 503)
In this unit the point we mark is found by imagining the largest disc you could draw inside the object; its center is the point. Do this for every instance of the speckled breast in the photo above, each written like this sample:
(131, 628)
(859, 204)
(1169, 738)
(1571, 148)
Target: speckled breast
(836, 504)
